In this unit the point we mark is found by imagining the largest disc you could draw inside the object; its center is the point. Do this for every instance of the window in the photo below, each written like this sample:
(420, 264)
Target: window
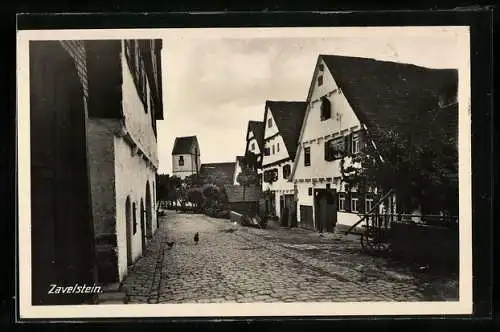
(181, 161)
(270, 123)
(277, 147)
(334, 149)
(134, 218)
(328, 186)
(320, 80)
(307, 156)
(270, 176)
(321, 67)
(286, 171)
(355, 143)
(368, 205)
(267, 152)
(341, 203)
(326, 109)
(273, 149)
(310, 191)
(252, 146)
(354, 204)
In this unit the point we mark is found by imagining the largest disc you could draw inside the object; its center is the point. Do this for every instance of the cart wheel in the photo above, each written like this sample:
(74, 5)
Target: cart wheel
(367, 239)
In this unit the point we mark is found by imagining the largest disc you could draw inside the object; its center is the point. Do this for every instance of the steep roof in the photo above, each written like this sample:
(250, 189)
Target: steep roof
(395, 96)
(184, 145)
(222, 172)
(257, 127)
(288, 116)
(236, 194)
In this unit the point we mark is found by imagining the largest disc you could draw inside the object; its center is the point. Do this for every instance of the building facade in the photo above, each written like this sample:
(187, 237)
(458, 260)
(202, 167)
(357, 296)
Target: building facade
(94, 106)
(351, 103)
(283, 120)
(62, 232)
(186, 157)
(255, 142)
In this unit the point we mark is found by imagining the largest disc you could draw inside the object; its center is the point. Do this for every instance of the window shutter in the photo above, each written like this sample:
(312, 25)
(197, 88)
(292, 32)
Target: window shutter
(327, 151)
(362, 140)
(347, 144)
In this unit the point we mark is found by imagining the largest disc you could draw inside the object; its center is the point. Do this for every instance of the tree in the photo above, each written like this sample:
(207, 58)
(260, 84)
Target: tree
(422, 170)
(167, 188)
(195, 196)
(248, 175)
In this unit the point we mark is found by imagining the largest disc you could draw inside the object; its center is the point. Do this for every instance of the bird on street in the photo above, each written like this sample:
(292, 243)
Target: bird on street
(196, 238)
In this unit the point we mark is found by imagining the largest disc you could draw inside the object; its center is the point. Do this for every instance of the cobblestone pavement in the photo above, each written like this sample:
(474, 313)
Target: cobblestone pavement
(232, 263)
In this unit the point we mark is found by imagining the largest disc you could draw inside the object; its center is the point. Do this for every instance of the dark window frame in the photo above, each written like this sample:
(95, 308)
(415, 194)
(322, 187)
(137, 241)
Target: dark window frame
(181, 160)
(341, 203)
(287, 171)
(307, 156)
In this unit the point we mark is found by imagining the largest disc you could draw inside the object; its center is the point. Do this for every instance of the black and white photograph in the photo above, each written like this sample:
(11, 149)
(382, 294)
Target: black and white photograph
(203, 172)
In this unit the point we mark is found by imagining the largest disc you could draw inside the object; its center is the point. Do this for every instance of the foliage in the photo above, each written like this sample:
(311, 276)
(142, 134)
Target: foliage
(270, 176)
(167, 188)
(421, 171)
(195, 196)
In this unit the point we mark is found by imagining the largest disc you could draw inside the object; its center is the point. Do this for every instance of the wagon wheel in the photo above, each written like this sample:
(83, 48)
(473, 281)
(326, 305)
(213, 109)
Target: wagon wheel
(374, 240)
(380, 242)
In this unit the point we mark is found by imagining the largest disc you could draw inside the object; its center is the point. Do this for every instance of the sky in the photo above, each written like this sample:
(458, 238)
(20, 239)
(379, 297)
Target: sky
(214, 82)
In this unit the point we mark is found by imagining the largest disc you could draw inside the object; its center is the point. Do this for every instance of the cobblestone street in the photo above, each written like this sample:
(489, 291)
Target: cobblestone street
(232, 263)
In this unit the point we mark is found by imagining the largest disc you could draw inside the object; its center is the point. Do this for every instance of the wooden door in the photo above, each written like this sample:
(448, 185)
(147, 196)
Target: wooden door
(63, 251)
(326, 209)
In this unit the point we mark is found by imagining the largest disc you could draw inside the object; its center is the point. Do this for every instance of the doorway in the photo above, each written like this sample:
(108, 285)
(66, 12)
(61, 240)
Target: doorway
(128, 225)
(325, 205)
(143, 227)
(149, 213)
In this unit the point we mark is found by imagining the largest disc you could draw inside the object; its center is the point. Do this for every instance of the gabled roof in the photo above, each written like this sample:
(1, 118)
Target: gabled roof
(388, 95)
(237, 194)
(288, 117)
(257, 127)
(221, 172)
(184, 145)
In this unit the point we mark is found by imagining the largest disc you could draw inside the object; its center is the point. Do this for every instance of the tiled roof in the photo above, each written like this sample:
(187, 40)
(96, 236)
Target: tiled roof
(288, 116)
(184, 145)
(396, 96)
(221, 172)
(236, 193)
(257, 127)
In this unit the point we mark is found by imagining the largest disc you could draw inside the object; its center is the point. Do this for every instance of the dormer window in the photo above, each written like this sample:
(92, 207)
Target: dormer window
(321, 67)
(181, 161)
(269, 123)
(320, 80)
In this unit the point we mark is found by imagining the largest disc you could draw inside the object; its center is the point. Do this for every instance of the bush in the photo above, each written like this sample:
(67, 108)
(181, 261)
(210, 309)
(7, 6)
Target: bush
(210, 212)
